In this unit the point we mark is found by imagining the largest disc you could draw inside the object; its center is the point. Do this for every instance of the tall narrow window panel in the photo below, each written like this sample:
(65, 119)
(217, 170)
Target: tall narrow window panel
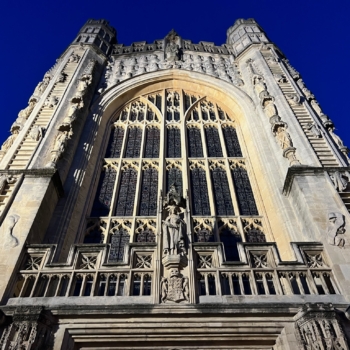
(223, 202)
(231, 141)
(149, 192)
(133, 146)
(115, 143)
(199, 189)
(213, 142)
(126, 195)
(230, 238)
(118, 241)
(173, 143)
(174, 177)
(152, 142)
(244, 192)
(194, 143)
(104, 193)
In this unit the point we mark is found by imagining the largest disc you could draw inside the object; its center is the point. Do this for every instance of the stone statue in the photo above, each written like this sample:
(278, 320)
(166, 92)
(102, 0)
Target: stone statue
(73, 58)
(41, 87)
(25, 113)
(336, 138)
(59, 147)
(270, 108)
(340, 181)
(172, 227)
(61, 78)
(283, 138)
(36, 133)
(10, 140)
(172, 51)
(314, 129)
(336, 229)
(4, 180)
(174, 288)
(10, 222)
(51, 102)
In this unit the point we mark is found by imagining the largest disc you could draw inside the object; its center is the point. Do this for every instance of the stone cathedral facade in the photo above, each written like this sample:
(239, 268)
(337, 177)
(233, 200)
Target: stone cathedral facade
(174, 196)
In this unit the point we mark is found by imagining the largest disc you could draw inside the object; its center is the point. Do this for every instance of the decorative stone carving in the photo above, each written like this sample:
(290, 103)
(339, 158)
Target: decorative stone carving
(36, 133)
(41, 87)
(339, 142)
(317, 328)
(61, 78)
(51, 102)
(5, 180)
(10, 222)
(280, 78)
(73, 58)
(8, 143)
(314, 129)
(293, 72)
(293, 99)
(59, 147)
(340, 181)
(172, 49)
(30, 330)
(336, 229)
(306, 91)
(25, 113)
(315, 260)
(174, 288)
(259, 260)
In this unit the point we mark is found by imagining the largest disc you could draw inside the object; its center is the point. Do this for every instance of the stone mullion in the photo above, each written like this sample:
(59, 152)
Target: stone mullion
(206, 284)
(229, 277)
(312, 284)
(60, 277)
(324, 284)
(218, 283)
(107, 283)
(71, 281)
(48, 284)
(300, 285)
(232, 188)
(114, 196)
(266, 287)
(35, 284)
(277, 283)
(138, 188)
(25, 277)
(252, 282)
(117, 284)
(94, 283)
(83, 283)
(141, 283)
(240, 281)
(210, 189)
(125, 138)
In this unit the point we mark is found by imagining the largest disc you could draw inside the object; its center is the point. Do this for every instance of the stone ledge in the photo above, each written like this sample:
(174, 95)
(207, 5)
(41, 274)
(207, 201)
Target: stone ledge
(306, 171)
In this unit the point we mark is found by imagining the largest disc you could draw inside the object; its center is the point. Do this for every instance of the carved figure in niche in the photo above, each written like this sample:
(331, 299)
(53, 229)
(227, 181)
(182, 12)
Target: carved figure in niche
(10, 222)
(25, 113)
(173, 228)
(60, 146)
(197, 63)
(259, 84)
(83, 84)
(270, 108)
(283, 138)
(340, 181)
(336, 229)
(314, 129)
(51, 102)
(73, 58)
(41, 87)
(5, 180)
(174, 288)
(294, 99)
(36, 133)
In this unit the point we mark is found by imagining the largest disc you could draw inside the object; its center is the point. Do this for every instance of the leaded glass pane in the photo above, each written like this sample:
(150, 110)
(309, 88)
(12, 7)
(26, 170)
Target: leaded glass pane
(115, 143)
(222, 194)
(213, 142)
(199, 188)
(174, 177)
(194, 143)
(118, 241)
(149, 192)
(173, 143)
(104, 193)
(133, 145)
(152, 142)
(230, 239)
(126, 195)
(231, 141)
(159, 102)
(244, 192)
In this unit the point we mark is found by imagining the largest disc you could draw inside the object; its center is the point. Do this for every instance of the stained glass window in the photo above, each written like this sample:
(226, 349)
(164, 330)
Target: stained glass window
(199, 188)
(118, 241)
(152, 142)
(244, 192)
(149, 192)
(213, 142)
(194, 143)
(231, 141)
(230, 239)
(222, 194)
(104, 194)
(174, 176)
(174, 143)
(115, 143)
(126, 195)
(133, 145)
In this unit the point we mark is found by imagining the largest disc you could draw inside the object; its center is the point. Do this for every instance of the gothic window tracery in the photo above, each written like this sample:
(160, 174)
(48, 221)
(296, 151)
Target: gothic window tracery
(133, 145)
(127, 190)
(223, 202)
(199, 189)
(195, 143)
(152, 142)
(149, 192)
(231, 141)
(173, 145)
(213, 142)
(115, 142)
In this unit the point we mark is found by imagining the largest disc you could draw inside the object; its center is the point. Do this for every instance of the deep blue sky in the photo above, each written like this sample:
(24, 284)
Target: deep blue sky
(313, 34)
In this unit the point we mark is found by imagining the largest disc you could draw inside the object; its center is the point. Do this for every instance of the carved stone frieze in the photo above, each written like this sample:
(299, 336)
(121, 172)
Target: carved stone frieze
(317, 327)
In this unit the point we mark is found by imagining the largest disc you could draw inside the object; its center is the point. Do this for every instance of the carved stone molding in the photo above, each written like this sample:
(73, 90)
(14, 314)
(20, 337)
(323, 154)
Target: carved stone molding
(317, 327)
